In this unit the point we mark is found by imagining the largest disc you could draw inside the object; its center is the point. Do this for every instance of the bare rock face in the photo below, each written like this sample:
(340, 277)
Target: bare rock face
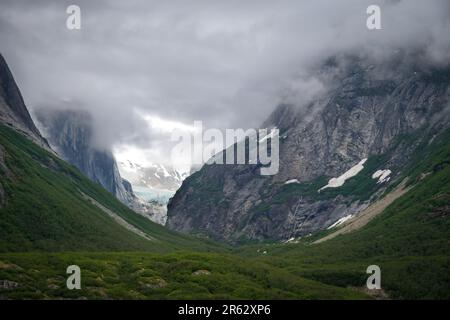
(70, 134)
(376, 112)
(13, 111)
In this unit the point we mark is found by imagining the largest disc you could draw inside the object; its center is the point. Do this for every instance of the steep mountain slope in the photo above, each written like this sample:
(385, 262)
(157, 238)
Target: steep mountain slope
(70, 133)
(410, 240)
(13, 111)
(46, 206)
(369, 121)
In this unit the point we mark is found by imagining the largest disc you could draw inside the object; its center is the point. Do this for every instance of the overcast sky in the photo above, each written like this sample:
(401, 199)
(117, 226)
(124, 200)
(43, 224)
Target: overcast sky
(141, 67)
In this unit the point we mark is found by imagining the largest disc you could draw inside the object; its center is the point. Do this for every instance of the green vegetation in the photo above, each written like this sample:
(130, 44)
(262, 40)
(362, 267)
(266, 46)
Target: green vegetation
(156, 276)
(46, 211)
(46, 225)
(359, 187)
(211, 193)
(410, 240)
(429, 157)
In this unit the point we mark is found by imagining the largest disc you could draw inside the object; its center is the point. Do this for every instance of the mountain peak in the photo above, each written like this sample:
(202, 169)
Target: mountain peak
(13, 111)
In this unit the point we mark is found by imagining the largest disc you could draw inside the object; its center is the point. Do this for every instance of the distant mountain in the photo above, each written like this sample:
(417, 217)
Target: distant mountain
(51, 214)
(48, 205)
(154, 182)
(338, 154)
(155, 176)
(70, 134)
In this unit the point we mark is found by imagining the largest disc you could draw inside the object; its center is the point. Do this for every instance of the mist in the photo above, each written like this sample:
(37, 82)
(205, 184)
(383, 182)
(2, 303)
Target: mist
(226, 63)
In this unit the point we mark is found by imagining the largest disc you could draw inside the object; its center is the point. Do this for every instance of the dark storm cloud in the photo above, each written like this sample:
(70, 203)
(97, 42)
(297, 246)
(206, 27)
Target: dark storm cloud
(227, 63)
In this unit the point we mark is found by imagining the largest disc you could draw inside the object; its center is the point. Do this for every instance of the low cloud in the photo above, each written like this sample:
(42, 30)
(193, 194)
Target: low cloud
(227, 63)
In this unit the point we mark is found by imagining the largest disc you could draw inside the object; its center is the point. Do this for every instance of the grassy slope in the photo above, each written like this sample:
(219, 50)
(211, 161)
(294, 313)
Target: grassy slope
(410, 240)
(45, 210)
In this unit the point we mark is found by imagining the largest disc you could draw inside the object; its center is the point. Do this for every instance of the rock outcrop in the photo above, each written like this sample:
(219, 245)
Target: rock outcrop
(381, 112)
(70, 133)
(13, 111)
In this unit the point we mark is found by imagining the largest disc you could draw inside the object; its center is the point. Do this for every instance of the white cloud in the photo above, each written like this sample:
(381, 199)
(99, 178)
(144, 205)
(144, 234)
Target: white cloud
(227, 63)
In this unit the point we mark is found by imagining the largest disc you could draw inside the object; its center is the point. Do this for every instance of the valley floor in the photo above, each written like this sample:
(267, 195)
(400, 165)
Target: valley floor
(187, 275)
(157, 276)
(48, 216)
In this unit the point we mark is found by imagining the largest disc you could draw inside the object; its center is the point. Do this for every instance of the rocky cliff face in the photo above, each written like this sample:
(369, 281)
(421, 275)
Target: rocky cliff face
(374, 115)
(13, 111)
(70, 134)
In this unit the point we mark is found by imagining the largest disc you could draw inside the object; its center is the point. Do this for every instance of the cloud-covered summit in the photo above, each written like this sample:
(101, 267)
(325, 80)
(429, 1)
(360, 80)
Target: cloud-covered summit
(227, 63)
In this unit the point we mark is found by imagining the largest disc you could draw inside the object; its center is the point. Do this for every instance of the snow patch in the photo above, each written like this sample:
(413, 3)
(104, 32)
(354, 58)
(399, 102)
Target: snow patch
(382, 175)
(165, 172)
(292, 240)
(339, 181)
(340, 221)
(270, 135)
